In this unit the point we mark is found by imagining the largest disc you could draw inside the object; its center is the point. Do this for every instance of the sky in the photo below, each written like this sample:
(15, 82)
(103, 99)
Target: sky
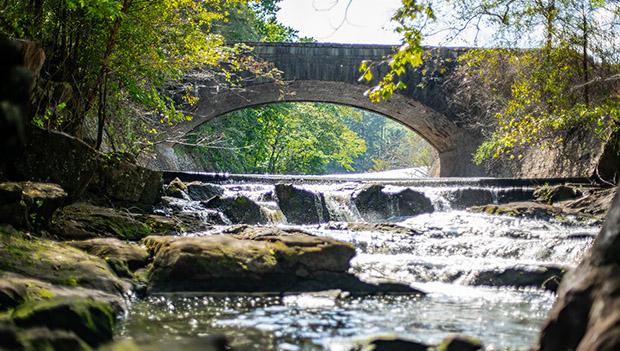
(368, 20)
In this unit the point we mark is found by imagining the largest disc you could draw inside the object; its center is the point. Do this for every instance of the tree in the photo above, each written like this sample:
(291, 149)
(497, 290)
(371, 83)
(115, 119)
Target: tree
(294, 138)
(572, 47)
(114, 58)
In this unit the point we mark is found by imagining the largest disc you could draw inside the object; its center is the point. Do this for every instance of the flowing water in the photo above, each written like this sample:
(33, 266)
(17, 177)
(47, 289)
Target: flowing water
(449, 254)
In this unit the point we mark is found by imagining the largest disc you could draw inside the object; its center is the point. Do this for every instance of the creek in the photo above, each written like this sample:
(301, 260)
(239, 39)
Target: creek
(483, 274)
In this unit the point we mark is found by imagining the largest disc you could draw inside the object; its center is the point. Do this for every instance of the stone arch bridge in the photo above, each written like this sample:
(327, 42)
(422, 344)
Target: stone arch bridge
(320, 72)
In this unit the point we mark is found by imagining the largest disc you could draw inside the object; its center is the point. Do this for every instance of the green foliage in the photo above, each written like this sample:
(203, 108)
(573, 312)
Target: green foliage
(308, 138)
(408, 18)
(283, 138)
(536, 97)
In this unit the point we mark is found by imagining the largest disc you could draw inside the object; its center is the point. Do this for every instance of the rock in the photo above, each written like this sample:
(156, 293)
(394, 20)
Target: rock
(540, 277)
(595, 202)
(514, 195)
(35, 339)
(177, 189)
(29, 204)
(467, 197)
(534, 210)
(42, 200)
(388, 343)
(199, 191)
(521, 209)
(371, 227)
(91, 320)
(126, 183)
(16, 289)
(13, 209)
(459, 343)
(301, 206)
(131, 255)
(239, 209)
(215, 342)
(56, 263)
(255, 259)
(552, 194)
(375, 205)
(84, 221)
(586, 314)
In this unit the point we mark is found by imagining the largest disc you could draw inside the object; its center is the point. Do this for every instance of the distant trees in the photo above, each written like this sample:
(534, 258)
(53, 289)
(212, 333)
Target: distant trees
(308, 138)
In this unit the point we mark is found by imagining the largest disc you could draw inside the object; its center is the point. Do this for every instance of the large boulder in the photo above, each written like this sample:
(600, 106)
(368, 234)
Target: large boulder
(91, 320)
(301, 206)
(467, 197)
(255, 259)
(199, 191)
(55, 263)
(532, 210)
(238, 209)
(586, 314)
(556, 193)
(176, 188)
(375, 204)
(84, 221)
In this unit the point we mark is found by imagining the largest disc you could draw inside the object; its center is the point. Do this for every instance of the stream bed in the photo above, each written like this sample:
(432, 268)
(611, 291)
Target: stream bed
(457, 257)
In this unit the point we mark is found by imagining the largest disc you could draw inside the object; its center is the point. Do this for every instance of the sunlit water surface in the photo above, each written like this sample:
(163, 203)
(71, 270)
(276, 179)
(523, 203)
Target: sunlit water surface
(442, 255)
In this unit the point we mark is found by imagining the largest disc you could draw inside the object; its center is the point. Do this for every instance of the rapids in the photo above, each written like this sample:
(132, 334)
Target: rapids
(450, 253)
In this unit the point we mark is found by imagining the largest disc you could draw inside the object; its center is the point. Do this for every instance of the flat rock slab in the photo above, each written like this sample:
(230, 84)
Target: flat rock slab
(256, 259)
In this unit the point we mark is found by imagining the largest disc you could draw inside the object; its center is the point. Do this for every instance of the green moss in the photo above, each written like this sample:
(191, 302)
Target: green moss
(92, 320)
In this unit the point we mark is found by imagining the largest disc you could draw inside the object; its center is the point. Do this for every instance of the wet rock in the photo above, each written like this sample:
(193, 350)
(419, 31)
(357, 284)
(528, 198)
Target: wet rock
(459, 343)
(84, 221)
(301, 206)
(556, 193)
(375, 205)
(131, 255)
(215, 342)
(177, 189)
(521, 209)
(55, 263)
(389, 343)
(467, 197)
(126, 183)
(586, 314)
(91, 320)
(514, 195)
(16, 289)
(253, 259)
(595, 202)
(199, 191)
(35, 339)
(548, 278)
(239, 209)
(371, 227)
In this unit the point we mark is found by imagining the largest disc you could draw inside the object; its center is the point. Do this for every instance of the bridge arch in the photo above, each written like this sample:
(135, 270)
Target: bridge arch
(317, 72)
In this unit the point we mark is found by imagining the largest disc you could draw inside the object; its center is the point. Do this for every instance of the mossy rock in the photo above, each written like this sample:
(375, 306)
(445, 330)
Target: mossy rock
(238, 209)
(130, 255)
(56, 263)
(93, 321)
(177, 189)
(256, 259)
(37, 339)
(84, 221)
(16, 289)
(520, 209)
(29, 204)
